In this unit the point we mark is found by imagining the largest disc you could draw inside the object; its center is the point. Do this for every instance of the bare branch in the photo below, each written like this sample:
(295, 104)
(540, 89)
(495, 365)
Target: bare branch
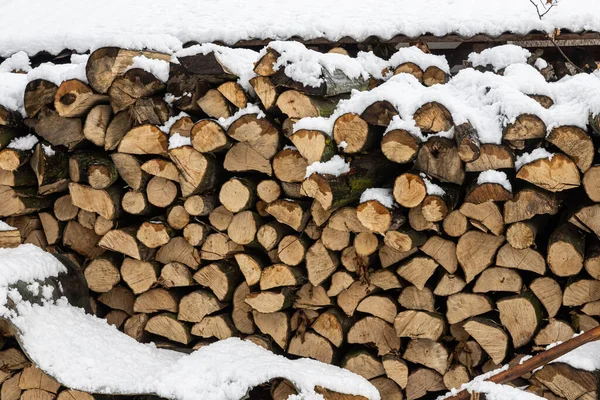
(545, 9)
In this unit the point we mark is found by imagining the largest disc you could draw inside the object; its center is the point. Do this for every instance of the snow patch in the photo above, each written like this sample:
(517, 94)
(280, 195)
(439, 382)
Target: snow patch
(382, 195)
(17, 62)
(500, 57)
(416, 56)
(493, 176)
(158, 68)
(540, 64)
(166, 128)
(432, 188)
(6, 227)
(536, 154)
(27, 263)
(23, 143)
(48, 151)
(178, 140)
(335, 166)
(249, 109)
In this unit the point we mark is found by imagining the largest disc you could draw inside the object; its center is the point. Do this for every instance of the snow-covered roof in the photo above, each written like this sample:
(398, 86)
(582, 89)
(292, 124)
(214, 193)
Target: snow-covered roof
(165, 26)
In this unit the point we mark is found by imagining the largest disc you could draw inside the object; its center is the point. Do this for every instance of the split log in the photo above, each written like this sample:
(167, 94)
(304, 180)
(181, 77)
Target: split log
(124, 241)
(57, 130)
(455, 224)
(525, 127)
(333, 192)
(320, 263)
(413, 298)
(214, 326)
(400, 146)
(467, 141)
(574, 142)
(295, 104)
(438, 157)
(581, 292)
(289, 212)
(144, 139)
(102, 274)
(355, 132)
(558, 174)
(419, 325)
(166, 325)
(492, 156)
(243, 157)
(270, 301)
(433, 117)
(418, 270)
(75, 99)
(195, 306)
(363, 363)
(521, 316)
(175, 275)
(333, 326)
(428, 353)
(265, 91)
(448, 285)
(376, 331)
(566, 251)
(130, 170)
(490, 337)
(498, 279)
(38, 94)
(140, 276)
(422, 381)
(96, 124)
(462, 306)
(475, 252)
(525, 259)
(276, 325)
(198, 173)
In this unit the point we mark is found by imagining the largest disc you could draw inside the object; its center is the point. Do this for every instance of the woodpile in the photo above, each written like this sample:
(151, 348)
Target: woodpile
(227, 235)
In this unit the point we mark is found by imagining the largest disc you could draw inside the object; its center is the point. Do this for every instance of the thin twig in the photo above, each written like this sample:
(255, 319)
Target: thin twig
(546, 10)
(564, 55)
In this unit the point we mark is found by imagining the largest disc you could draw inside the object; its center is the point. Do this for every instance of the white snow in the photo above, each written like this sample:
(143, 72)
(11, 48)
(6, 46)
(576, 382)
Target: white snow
(493, 176)
(536, 154)
(165, 27)
(382, 195)
(166, 128)
(158, 68)
(48, 150)
(432, 188)
(239, 62)
(58, 73)
(23, 143)
(86, 353)
(494, 391)
(27, 263)
(17, 62)
(249, 109)
(178, 140)
(335, 166)
(305, 66)
(500, 57)
(6, 227)
(586, 357)
(540, 63)
(416, 56)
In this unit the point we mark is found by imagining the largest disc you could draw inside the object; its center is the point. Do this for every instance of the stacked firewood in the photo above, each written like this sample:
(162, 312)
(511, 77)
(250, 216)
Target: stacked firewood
(211, 227)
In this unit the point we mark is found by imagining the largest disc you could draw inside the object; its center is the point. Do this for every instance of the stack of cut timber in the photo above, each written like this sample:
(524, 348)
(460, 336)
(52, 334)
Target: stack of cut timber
(444, 270)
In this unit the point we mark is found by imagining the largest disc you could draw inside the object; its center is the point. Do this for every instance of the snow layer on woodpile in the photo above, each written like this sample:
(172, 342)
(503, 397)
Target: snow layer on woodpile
(382, 195)
(586, 357)
(536, 154)
(500, 57)
(86, 353)
(335, 166)
(488, 101)
(166, 26)
(493, 176)
(4, 227)
(423, 60)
